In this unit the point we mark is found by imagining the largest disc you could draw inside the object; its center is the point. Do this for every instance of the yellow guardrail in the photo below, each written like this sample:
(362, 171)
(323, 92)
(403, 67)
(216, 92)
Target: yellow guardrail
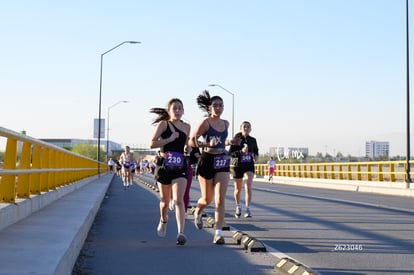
(391, 171)
(32, 166)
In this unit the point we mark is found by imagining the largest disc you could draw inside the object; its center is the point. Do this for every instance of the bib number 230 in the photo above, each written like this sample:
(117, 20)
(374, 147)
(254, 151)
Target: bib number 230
(174, 159)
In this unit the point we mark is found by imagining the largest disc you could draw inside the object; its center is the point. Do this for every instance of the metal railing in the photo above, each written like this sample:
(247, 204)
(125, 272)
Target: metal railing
(32, 166)
(391, 171)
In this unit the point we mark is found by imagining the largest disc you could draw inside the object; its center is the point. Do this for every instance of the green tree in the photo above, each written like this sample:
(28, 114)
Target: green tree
(88, 150)
(339, 156)
(319, 156)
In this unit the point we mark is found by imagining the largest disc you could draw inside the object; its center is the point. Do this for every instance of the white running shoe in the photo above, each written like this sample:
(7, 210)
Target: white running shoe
(248, 214)
(238, 212)
(162, 229)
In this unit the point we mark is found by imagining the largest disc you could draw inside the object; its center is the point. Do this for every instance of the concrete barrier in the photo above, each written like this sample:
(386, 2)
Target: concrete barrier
(377, 187)
(12, 213)
(49, 240)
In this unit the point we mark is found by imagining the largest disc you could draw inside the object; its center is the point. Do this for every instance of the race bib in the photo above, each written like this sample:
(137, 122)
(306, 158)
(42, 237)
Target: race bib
(221, 161)
(246, 157)
(174, 159)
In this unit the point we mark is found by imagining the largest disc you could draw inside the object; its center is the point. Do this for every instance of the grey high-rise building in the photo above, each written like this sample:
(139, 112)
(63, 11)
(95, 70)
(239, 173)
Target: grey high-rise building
(375, 149)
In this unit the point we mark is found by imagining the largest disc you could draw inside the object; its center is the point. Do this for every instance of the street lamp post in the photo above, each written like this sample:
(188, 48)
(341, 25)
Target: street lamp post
(100, 99)
(408, 176)
(107, 126)
(232, 115)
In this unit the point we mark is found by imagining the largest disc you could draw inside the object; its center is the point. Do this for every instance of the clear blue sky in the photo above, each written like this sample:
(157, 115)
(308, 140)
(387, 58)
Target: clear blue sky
(323, 74)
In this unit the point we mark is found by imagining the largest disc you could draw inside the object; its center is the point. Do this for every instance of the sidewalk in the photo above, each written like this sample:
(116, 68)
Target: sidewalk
(49, 240)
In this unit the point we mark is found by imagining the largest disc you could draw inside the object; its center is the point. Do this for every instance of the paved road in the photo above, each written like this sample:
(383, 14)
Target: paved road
(123, 240)
(333, 232)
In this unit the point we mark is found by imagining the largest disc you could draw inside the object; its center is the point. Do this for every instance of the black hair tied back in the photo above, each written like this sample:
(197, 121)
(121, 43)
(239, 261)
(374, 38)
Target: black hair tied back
(204, 101)
(162, 114)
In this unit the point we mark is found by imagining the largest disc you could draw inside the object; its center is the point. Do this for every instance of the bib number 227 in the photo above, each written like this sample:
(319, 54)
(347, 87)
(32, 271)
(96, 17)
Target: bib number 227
(221, 161)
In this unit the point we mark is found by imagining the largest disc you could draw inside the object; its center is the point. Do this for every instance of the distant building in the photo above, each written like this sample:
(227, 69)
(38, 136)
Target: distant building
(375, 149)
(70, 142)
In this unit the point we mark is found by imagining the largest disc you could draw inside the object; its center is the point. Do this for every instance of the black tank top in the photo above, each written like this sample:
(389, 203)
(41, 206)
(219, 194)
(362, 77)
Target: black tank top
(178, 144)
